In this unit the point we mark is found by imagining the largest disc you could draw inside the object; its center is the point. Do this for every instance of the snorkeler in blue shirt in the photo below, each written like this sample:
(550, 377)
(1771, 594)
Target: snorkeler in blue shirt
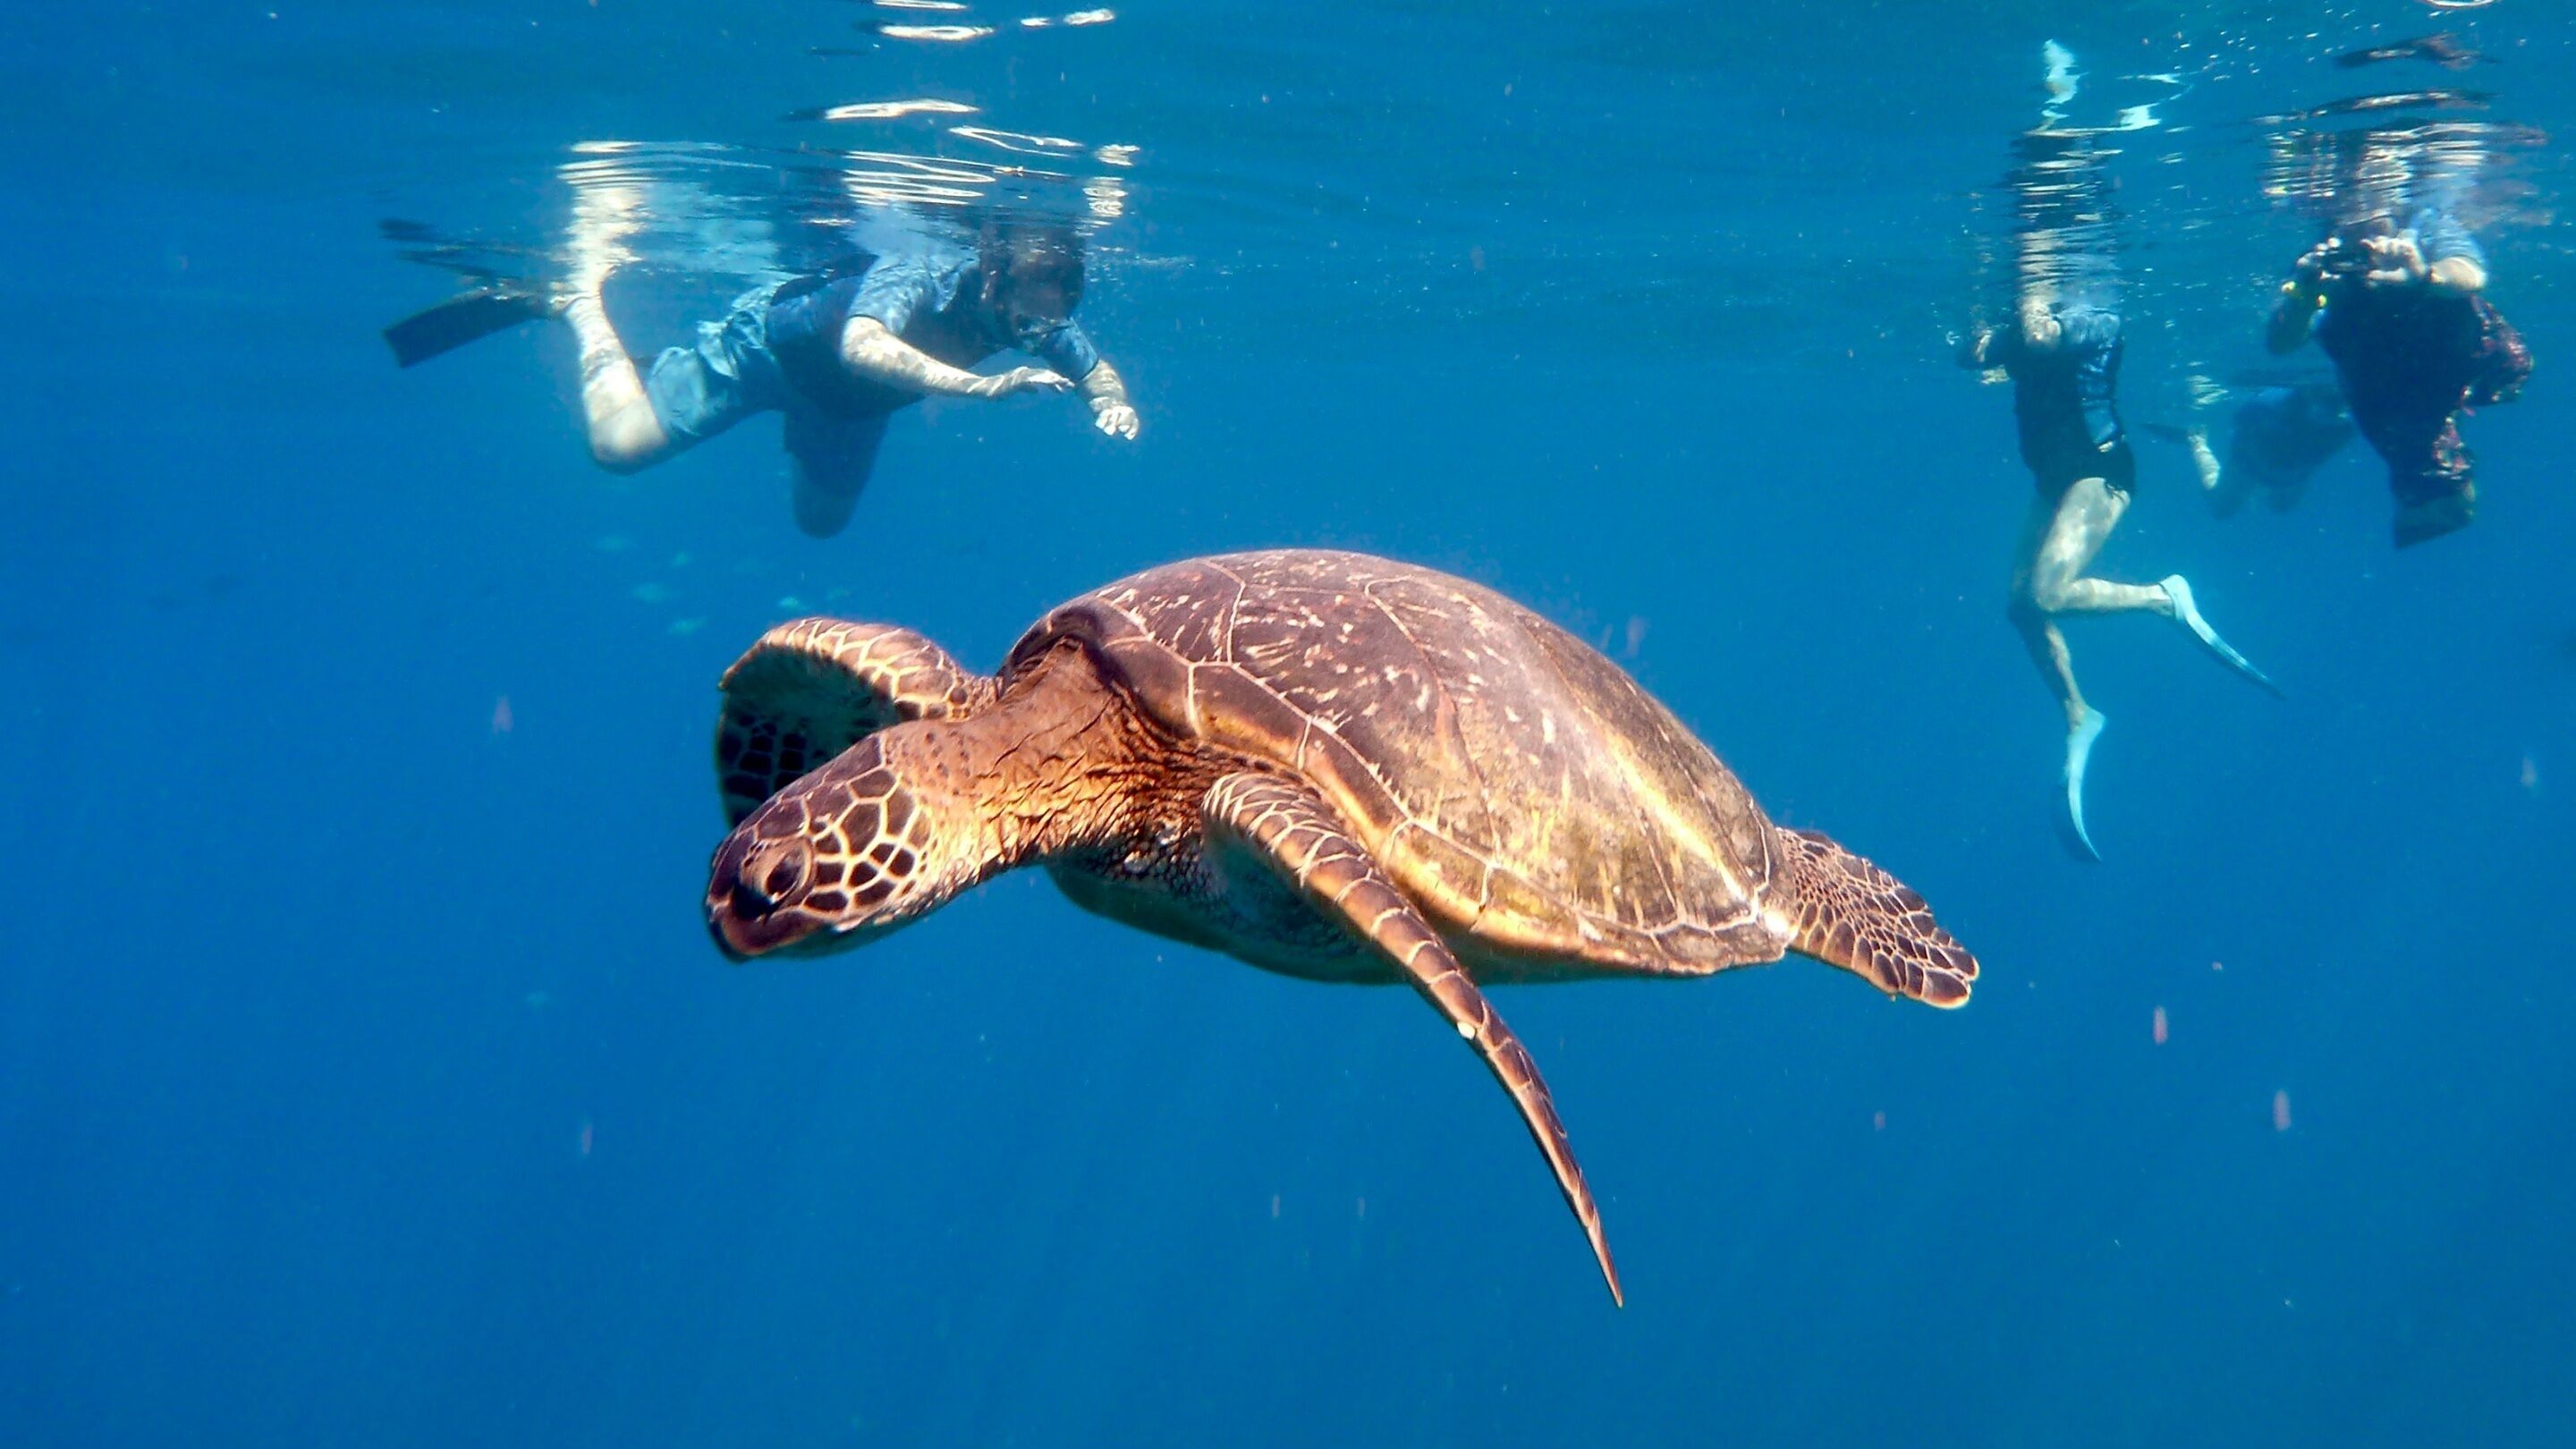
(2276, 440)
(836, 354)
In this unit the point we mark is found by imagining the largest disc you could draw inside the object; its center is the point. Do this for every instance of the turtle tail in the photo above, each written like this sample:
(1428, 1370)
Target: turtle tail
(1846, 912)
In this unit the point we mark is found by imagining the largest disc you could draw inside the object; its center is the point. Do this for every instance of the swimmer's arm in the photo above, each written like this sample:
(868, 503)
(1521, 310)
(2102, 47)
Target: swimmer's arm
(2296, 313)
(872, 351)
(1106, 391)
(2292, 317)
(2463, 275)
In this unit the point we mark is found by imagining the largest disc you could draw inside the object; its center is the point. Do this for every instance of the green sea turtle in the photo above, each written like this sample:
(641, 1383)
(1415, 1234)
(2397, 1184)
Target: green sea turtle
(1329, 765)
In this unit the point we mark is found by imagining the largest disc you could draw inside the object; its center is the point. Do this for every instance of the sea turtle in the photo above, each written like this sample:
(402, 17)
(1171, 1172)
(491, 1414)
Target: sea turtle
(1329, 765)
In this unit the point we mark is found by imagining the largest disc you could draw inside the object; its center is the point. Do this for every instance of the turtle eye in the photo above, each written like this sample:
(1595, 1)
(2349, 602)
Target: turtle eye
(775, 872)
(785, 875)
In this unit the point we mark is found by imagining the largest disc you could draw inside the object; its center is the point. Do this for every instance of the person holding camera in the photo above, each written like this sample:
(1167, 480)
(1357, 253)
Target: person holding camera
(2400, 312)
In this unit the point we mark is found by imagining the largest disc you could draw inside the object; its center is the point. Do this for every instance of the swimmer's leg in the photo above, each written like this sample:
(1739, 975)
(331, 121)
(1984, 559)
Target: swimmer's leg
(624, 432)
(2203, 460)
(2437, 495)
(2083, 722)
(2086, 513)
(2058, 585)
(2047, 646)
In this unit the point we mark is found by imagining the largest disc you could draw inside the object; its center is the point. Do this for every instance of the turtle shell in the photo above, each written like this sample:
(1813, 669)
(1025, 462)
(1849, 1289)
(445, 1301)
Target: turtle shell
(1539, 805)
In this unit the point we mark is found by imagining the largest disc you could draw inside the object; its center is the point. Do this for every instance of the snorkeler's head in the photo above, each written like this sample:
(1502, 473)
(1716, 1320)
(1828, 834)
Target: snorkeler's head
(1032, 274)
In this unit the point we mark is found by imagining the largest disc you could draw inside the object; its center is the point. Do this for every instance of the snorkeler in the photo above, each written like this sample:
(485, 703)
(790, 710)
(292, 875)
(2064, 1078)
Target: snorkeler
(2400, 311)
(2276, 440)
(2062, 356)
(837, 352)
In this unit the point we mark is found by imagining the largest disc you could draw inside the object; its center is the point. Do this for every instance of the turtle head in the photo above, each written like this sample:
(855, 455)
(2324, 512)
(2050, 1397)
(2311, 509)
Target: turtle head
(845, 854)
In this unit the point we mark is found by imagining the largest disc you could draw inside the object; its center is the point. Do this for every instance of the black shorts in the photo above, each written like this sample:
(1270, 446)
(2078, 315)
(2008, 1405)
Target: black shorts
(2062, 469)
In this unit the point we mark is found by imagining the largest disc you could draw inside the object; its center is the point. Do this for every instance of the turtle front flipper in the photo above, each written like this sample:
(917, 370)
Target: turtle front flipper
(812, 688)
(1288, 824)
(1846, 912)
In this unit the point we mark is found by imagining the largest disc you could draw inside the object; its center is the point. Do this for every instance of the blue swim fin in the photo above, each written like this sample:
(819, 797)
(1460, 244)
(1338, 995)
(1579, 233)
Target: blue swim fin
(2187, 614)
(2079, 752)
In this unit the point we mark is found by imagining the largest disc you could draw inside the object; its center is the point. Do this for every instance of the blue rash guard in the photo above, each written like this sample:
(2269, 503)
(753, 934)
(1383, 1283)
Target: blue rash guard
(779, 349)
(2282, 434)
(2064, 399)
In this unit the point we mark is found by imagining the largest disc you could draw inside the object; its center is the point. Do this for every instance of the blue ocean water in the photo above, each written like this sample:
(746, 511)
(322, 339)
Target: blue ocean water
(366, 1075)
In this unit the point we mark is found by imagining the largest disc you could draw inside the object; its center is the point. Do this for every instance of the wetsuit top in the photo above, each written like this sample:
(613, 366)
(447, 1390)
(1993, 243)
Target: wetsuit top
(2063, 397)
(2282, 434)
(933, 301)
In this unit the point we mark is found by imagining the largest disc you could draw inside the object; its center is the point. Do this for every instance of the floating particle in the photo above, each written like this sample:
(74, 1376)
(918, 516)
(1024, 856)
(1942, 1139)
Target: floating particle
(2281, 1111)
(1363, 1208)
(586, 1137)
(650, 593)
(1878, 1120)
(2530, 774)
(502, 720)
(1274, 1205)
(2160, 1026)
(1636, 634)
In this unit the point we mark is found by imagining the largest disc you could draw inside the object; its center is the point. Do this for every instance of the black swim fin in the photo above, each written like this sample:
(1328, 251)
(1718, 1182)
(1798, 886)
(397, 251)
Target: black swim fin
(468, 318)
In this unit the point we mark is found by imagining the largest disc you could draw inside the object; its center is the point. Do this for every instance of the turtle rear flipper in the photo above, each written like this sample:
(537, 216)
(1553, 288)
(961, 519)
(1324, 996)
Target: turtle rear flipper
(811, 689)
(1847, 912)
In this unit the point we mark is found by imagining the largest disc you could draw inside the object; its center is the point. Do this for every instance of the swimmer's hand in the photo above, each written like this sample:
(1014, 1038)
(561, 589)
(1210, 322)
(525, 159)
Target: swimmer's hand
(2395, 261)
(2308, 275)
(1116, 419)
(1106, 391)
(1019, 380)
